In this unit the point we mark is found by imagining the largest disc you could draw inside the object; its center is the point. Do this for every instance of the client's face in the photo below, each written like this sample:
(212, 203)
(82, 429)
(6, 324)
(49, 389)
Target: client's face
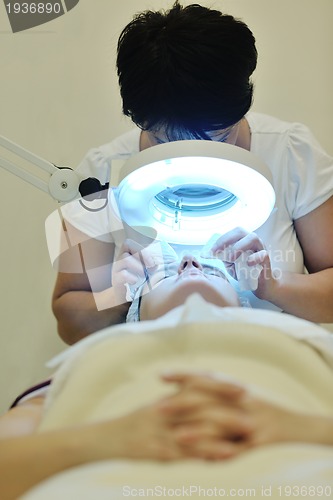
(189, 277)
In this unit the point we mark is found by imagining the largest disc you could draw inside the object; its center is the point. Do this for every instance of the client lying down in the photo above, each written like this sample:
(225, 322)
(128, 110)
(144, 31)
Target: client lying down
(206, 380)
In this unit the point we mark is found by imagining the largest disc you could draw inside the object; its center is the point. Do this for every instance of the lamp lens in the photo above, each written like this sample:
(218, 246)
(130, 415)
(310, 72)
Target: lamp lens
(193, 198)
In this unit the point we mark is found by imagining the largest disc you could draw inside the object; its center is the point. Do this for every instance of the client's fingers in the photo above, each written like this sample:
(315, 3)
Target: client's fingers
(213, 383)
(186, 404)
(216, 450)
(213, 423)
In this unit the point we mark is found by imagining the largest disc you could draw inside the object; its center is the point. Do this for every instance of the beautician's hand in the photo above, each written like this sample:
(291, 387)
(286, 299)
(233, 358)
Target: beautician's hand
(133, 260)
(239, 242)
(129, 268)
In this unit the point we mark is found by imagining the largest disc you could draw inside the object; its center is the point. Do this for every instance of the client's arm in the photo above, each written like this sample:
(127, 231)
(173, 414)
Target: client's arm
(144, 434)
(207, 418)
(23, 419)
(29, 459)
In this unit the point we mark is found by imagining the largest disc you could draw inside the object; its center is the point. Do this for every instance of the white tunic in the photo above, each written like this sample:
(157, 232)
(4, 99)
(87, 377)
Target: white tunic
(302, 179)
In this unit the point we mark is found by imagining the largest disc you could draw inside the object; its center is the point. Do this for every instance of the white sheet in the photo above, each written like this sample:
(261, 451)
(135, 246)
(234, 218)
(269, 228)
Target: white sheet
(117, 370)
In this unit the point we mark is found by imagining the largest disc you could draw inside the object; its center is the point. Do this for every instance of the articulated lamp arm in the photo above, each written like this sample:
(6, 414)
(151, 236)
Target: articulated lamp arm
(63, 183)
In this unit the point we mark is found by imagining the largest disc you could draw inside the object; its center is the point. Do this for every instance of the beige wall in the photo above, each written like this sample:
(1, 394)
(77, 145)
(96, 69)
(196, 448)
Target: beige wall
(59, 97)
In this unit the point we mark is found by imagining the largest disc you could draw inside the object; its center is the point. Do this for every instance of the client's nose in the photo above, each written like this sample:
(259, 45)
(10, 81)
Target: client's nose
(188, 262)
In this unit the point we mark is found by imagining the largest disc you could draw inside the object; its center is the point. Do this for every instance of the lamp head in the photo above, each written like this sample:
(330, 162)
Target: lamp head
(188, 190)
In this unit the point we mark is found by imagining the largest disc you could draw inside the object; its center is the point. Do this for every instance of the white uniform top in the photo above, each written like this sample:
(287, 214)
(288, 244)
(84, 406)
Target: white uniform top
(302, 180)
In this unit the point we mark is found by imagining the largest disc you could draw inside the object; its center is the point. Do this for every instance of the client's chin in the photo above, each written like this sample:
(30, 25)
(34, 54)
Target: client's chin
(221, 294)
(164, 298)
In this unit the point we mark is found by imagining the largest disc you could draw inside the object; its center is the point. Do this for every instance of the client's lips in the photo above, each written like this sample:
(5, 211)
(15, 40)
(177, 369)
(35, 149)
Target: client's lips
(192, 272)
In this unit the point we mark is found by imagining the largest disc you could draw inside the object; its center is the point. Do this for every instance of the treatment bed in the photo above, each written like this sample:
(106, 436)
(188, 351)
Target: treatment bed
(288, 360)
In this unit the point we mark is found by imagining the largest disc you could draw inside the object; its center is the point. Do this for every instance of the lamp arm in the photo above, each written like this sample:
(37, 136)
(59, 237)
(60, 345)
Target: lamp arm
(26, 176)
(63, 184)
(27, 155)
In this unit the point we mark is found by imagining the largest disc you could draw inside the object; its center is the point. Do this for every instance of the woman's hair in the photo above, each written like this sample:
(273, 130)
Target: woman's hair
(186, 70)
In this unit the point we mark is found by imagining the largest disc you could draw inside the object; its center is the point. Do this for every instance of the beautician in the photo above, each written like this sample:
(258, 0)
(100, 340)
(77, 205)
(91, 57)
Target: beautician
(186, 74)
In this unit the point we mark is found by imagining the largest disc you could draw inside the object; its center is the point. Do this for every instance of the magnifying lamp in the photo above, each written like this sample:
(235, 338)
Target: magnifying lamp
(188, 190)
(184, 190)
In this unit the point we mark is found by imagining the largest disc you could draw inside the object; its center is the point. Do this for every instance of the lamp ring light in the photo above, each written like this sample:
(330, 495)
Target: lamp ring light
(188, 190)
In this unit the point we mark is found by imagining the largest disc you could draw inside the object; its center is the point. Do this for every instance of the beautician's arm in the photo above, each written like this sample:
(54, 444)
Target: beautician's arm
(89, 293)
(74, 306)
(311, 296)
(84, 277)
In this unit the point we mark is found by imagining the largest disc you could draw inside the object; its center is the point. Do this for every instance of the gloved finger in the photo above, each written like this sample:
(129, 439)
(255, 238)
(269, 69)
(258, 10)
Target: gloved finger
(132, 263)
(229, 239)
(131, 247)
(251, 243)
(260, 257)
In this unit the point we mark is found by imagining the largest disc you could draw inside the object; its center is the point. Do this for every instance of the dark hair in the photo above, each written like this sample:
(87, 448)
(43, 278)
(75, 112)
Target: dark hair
(187, 69)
